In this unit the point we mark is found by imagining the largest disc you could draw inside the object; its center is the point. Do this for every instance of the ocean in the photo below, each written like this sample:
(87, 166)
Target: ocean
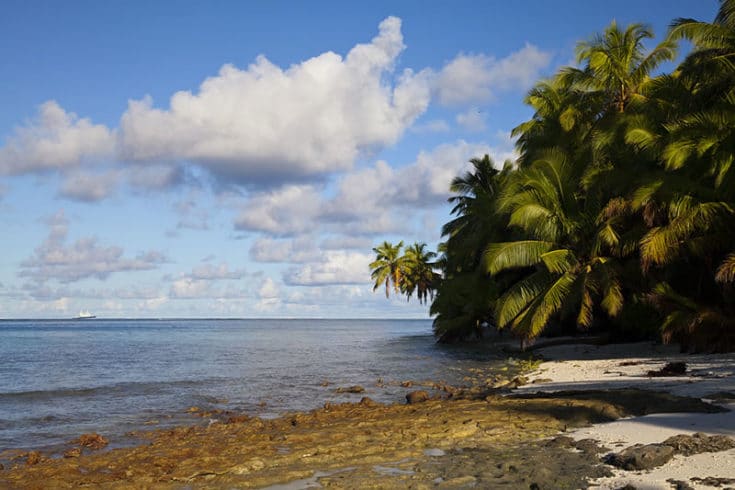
(60, 379)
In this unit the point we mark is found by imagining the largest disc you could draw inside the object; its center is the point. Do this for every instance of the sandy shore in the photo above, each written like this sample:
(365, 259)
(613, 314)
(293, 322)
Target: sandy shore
(480, 436)
(583, 367)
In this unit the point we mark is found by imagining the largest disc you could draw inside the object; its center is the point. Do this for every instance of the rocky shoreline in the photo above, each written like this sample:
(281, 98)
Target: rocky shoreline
(482, 436)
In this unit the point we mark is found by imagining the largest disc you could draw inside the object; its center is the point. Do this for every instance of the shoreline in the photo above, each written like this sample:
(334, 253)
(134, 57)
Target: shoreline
(708, 376)
(478, 436)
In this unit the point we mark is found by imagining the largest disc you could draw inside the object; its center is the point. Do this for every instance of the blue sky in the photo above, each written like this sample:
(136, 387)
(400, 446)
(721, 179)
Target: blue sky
(241, 159)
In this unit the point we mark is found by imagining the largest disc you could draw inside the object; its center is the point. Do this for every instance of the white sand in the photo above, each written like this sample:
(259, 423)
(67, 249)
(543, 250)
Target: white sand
(585, 367)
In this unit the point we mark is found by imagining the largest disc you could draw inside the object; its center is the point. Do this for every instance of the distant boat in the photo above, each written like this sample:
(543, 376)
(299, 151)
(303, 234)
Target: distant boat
(84, 315)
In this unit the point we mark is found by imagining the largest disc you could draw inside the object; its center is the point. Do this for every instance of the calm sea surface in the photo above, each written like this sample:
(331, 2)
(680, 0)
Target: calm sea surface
(59, 379)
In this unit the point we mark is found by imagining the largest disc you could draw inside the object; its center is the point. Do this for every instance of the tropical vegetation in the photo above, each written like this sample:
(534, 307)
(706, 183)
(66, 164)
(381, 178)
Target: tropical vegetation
(618, 214)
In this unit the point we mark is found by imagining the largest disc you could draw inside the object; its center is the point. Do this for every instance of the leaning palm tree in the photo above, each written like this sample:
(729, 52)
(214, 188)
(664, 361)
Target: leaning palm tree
(388, 267)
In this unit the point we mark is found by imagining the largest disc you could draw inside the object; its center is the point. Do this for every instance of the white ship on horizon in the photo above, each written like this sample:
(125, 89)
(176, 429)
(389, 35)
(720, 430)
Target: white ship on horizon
(84, 315)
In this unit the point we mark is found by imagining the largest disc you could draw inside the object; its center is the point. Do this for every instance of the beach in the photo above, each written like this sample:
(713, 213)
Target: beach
(490, 433)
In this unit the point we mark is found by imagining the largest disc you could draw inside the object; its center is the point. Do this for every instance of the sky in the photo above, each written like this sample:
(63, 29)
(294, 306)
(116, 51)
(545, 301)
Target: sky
(241, 159)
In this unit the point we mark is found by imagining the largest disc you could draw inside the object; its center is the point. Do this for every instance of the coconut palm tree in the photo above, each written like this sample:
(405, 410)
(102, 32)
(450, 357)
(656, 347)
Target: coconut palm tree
(616, 63)
(388, 267)
(565, 263)
(419, 275)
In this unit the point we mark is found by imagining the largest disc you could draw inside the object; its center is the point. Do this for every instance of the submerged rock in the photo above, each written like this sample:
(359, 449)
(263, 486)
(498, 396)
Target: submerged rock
(350, 389)
(92, 441)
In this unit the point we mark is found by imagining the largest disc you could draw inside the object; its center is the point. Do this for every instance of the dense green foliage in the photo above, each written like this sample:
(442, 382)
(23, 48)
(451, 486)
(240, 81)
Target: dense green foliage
(619, 213)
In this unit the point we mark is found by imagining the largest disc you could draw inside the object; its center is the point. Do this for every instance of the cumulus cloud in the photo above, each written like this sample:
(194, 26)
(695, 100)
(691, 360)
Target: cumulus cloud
(297, 250)
(265, 123)
(477, 78)
(85, 258)
(89, 187)
(282, 212)
(55, 140)
(336, 267)
(472, 120)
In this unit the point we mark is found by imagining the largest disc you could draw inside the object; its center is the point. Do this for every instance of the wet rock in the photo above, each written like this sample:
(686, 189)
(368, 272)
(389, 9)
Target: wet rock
(368, 402)
(237, 419)
(74, 452)
(417, 396)
(670, 369)
(34, 457)
(406, 384)
(350, 389)
(699, 443)
(641, 457)
(92, 441)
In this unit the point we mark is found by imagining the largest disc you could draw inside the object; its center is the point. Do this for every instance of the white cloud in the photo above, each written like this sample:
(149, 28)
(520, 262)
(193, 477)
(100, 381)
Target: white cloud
(433, 126)
(477, 78)
(472, 120)
(264, 123)
(209, 272)
(336, 267)
(56, 139)
(285, 211)
(85, 258)
(89, 187)
(269, 296)
(297, 250)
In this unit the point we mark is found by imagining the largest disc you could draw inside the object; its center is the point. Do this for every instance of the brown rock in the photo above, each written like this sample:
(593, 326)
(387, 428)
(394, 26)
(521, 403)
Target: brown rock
(237, 419)
(670, 369)
(34, 457)
(642, 457)
(74, 452)
(368, 402)
(192, 409)
(699, 443)
(350, 389)
(406, 384)
(92, 441)
(417, 397)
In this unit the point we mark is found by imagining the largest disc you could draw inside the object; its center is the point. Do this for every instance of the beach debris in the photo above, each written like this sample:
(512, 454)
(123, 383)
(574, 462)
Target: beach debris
(670, 369)
(417, 396)
(74, 452)
(350, 389)
(92, 441)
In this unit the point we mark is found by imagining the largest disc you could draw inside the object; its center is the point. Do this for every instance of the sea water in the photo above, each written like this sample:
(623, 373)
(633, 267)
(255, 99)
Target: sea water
(60, 379)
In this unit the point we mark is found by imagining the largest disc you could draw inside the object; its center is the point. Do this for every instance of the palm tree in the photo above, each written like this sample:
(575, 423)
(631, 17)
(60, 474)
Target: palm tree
(419, 275)
(566, 266)
(616, 64)
(388, 266)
